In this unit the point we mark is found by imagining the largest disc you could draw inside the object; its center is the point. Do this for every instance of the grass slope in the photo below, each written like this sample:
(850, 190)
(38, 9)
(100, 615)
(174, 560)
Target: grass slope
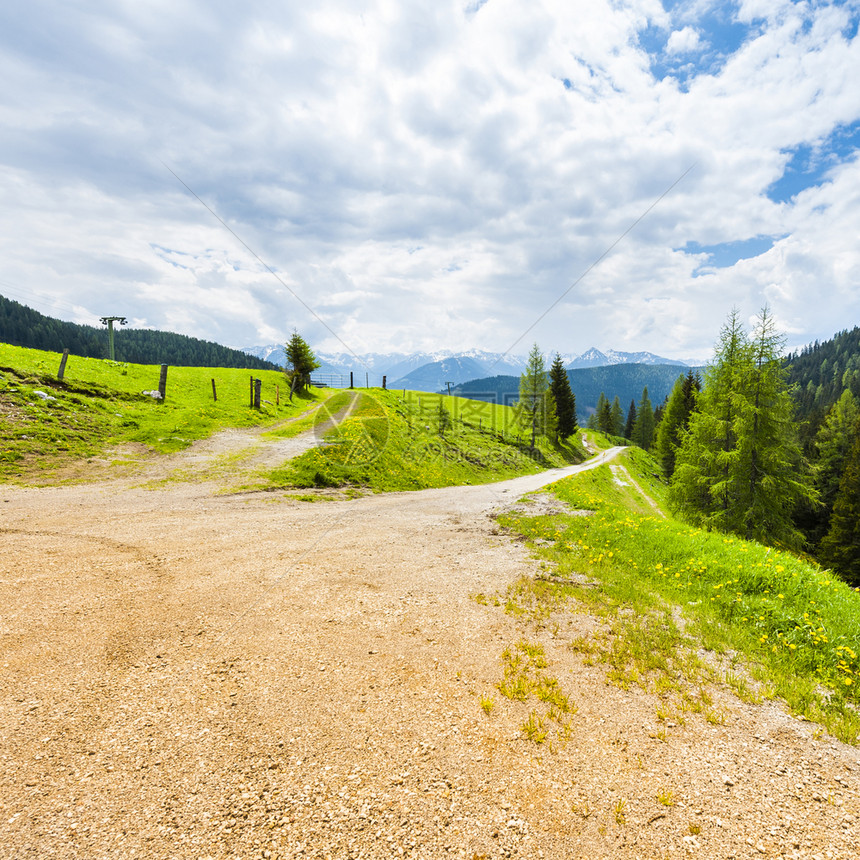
(389, 441)
(779, 625)
(396, 440)
(100, 405)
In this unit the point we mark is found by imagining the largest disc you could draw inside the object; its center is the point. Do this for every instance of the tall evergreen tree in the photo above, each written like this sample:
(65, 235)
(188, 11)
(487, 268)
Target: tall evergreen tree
(833, 442)
(840, 547)
(301, 363)
(532, 406)
(602, 404)
(676, 418)
(643, 429)
(604, 414)
(701, 489)
(631, 420)
(739, 467)
(565, 401)
(617, 418)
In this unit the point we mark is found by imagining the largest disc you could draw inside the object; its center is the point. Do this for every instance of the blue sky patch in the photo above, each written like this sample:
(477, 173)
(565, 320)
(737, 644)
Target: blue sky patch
(720, 35)
(809, 163)
(726, 254)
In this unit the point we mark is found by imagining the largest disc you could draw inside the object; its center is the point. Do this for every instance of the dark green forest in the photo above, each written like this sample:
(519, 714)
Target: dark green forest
(769, 443)
(23, 326)
(818, 374)
(624, 381)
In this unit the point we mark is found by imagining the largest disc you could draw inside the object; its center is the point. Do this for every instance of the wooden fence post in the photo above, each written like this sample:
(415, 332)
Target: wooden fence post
(162, 382)
(383, 382)
(257, 387)
(214, 392)
(61, 372)
(350, 380)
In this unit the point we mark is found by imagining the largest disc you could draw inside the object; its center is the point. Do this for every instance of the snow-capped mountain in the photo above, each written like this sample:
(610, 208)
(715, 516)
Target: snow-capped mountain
(595, 358)
(432, 371)
(397, 365)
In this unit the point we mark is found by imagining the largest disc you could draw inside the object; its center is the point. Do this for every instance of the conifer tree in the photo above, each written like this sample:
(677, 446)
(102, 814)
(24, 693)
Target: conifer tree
(834, 441)
(604, 414)
(617, 418)
(565, 401)
(631, 420)
(301, 363)
(701, 489)
(532, 405)
(840, 547)
(676, 418)
(739, 467)
(643, 429)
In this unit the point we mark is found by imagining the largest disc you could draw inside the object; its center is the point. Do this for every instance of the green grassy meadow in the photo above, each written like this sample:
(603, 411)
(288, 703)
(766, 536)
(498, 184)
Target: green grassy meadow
(99, 405)
(783, 627)
(398, 441)
(391, 441)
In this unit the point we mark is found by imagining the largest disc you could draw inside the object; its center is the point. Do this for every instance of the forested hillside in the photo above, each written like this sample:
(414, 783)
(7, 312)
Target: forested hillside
(624, 381)
(23, 326)
(819, 374)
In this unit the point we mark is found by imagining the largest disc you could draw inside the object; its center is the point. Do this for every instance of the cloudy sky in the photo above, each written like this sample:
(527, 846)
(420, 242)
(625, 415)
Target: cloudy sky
(437, 174)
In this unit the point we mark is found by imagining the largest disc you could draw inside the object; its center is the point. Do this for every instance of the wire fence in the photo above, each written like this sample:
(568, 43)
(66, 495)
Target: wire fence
(355, 379)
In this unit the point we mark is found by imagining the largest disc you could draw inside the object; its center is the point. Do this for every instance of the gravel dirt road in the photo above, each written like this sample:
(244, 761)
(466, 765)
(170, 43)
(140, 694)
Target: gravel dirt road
(190, 674)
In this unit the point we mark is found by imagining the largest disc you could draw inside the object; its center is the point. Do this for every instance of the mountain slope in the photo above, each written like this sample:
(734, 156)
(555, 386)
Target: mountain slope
(431, 371)
(625, 381)
(23, 326)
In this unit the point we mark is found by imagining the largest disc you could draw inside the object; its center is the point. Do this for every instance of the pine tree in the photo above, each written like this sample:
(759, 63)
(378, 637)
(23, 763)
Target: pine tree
(604, 414)
(771, 473)
(834, 441)
(631, 420)
(532, 405)
(701, 489)
(739, 467)
(617, 418)
(840, 547)
(565, 401)
(643, 429)
(676, 418)
(301, 363)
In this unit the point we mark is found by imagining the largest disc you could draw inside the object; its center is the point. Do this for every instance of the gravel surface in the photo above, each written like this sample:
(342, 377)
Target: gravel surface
(188, 673)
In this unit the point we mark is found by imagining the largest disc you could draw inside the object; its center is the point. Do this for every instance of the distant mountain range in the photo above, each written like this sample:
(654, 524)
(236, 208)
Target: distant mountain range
(624, 381)
(425, 371)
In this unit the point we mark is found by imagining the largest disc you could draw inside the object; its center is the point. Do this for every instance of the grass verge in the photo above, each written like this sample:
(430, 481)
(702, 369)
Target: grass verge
(665, 590)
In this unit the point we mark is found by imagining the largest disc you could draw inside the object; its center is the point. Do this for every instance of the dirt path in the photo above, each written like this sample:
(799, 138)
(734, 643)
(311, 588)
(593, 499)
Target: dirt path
(227, 456)
(186, 674)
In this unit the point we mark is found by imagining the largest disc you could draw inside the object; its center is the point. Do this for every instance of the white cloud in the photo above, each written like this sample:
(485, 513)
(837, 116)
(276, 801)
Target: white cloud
(421, 175)
(682, 41)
